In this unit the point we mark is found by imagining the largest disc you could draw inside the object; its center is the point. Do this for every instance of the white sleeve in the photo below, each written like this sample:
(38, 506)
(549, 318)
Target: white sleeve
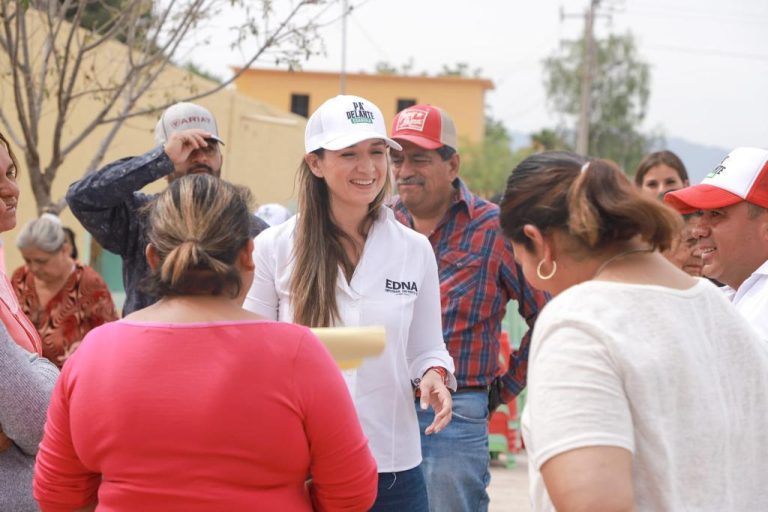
(262, 297)
(426, 347)
(576, 395)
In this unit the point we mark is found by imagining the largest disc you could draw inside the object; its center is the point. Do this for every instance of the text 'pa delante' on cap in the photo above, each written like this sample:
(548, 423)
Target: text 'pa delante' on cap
(185, 116)
(426, 126)
(741, 176)
(343, 121)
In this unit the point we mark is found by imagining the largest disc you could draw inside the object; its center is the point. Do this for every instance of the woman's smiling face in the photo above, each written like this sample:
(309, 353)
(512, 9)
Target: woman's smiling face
(9, 191)
(354, 175)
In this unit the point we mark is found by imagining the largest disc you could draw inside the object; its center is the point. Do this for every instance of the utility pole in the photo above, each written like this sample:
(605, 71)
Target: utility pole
(587, 72)
(343, 74)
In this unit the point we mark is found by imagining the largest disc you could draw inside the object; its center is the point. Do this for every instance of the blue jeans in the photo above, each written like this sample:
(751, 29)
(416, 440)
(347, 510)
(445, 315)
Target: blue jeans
(456, 459)
(404, 491)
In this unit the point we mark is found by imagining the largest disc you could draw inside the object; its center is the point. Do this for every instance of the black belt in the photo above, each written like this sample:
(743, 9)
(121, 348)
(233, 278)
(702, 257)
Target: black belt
(472, 389)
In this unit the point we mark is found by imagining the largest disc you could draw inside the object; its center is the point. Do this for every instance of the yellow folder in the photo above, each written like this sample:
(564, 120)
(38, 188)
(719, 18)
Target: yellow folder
(349, 345)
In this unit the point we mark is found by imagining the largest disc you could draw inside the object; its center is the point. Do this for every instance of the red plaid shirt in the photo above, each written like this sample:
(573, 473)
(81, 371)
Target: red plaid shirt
(478, 276)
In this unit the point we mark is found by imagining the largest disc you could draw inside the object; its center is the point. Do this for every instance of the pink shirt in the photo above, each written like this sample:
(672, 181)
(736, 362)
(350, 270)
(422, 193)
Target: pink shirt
(185, 417)
(15, 321)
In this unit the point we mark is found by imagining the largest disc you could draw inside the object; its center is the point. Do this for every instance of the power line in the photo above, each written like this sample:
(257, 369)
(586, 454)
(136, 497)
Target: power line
(364, 32)
(528, 109)
(709, 53)
(588, 71)
(687, 14)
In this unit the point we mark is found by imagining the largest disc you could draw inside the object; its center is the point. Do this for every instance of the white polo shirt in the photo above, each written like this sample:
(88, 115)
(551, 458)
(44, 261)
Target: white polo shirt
(395, 285)
(751, 299)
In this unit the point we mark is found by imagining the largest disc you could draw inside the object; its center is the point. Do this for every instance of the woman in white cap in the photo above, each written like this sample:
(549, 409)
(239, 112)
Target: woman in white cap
(273, 213)
(345, 261)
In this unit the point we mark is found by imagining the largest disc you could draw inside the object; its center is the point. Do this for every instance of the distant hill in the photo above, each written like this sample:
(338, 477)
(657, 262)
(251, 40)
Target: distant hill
(699, 159)
(519, 139)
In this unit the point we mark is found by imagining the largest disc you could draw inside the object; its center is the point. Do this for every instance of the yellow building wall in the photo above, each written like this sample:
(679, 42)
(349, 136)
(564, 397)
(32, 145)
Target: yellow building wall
(462, 98)
(264, 144)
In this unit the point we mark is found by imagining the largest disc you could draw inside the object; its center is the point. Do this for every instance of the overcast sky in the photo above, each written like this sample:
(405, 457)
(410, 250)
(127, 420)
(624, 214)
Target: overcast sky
(709, 58)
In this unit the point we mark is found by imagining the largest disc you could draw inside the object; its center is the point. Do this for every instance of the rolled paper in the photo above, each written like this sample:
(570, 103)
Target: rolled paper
(350, 345)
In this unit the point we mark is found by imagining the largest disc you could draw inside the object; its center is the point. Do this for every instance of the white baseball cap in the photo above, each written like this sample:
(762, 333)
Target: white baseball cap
(273, 213)
(343, 121)
(185, 116)
(741, 176)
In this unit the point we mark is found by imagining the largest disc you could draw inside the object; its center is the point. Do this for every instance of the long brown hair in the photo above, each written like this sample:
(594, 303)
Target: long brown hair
(10, 153)
(665, 157)
(318, 250)
(197, 226)
(594, 203)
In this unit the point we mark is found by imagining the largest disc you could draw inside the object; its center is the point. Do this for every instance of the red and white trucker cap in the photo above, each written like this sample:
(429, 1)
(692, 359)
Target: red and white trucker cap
(185, 116)
(343, 121)
(741, 176)
(426, 126)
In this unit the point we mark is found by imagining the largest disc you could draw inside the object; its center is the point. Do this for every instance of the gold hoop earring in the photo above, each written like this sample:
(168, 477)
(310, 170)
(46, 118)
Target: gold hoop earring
(548, 276)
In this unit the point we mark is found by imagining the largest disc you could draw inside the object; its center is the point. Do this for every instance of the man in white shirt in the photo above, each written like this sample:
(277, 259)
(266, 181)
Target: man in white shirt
(732, 230)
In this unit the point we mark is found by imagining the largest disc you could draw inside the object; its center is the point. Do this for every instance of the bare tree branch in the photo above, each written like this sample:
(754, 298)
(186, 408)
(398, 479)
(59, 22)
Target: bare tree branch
(111, 54)
(9, 131)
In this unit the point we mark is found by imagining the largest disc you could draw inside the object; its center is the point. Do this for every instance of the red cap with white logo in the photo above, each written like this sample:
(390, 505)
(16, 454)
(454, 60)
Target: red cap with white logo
(741, 176)
(426, 126)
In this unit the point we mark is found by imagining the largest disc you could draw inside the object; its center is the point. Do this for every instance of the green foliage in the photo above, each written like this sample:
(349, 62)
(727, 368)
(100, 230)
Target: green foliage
(102, 16)
(485, 167)
(385, 68)
(619, 96)
(548, 140)
(460, 69)
(197, 70)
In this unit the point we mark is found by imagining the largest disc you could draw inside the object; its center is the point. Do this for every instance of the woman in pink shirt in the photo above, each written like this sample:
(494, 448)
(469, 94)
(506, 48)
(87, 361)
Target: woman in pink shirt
(194, 403)
(26, 380)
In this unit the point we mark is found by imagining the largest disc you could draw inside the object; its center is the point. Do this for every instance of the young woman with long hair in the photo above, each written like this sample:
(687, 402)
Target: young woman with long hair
(345, 261)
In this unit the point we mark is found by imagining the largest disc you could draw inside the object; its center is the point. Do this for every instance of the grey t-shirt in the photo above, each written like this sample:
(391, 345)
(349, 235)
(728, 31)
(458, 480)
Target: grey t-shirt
(26, 384)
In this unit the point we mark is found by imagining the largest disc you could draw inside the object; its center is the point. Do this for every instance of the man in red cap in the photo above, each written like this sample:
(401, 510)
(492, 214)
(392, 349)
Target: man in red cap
(732, 229)
(478, 276)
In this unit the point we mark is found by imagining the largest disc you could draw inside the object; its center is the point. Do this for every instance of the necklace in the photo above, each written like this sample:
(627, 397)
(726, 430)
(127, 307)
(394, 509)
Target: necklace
(618, 256)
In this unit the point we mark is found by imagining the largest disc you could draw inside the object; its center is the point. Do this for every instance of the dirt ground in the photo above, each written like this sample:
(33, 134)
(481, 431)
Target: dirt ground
(509, 487)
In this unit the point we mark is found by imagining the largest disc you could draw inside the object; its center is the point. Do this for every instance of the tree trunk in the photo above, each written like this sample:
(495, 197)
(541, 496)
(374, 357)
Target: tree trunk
(41, 191)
